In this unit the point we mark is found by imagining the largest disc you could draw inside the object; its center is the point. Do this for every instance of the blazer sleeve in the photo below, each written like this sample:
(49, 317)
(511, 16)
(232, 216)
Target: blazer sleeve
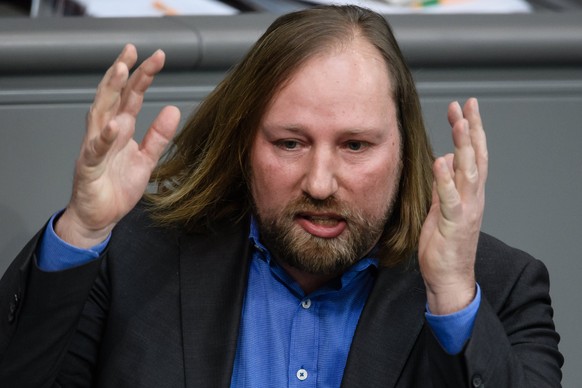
(514, 342)
(39, 312)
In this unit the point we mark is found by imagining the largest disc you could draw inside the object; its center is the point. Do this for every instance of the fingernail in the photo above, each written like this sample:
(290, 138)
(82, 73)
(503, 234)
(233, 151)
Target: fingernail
(476, 105)
(125, 49)
(442, 163)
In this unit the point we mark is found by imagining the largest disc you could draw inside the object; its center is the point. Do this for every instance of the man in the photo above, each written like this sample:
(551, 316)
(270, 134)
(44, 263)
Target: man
(301, 235)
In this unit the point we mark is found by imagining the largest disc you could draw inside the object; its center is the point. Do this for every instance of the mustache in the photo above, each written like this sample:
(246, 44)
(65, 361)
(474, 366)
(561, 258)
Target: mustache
(306, 203)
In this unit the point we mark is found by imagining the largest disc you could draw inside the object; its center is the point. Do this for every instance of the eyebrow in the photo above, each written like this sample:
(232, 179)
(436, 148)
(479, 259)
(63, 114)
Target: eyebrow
(297, 128)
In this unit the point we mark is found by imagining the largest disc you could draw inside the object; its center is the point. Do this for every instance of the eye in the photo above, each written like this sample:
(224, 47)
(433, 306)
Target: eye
(356, 145)
(287, 144)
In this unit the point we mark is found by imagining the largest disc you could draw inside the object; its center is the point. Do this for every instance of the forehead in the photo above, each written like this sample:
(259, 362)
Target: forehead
(361, 57)
(347, 82)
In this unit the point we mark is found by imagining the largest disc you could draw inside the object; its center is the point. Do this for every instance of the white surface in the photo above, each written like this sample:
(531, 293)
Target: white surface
(444, 6)
(139, 8)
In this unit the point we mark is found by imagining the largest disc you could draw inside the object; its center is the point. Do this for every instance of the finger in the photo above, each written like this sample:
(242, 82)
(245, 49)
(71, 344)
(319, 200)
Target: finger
(449, 159)
(160, 133)
(140, 81)
(115, 78)
(449, 200)
(431, 222)
(478, 137)
(98, 146)
(106, 100)
(455, 113)
(466, 174)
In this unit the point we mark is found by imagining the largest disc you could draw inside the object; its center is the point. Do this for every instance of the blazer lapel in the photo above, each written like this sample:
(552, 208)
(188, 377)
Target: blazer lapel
(213, 278)
(387, 330)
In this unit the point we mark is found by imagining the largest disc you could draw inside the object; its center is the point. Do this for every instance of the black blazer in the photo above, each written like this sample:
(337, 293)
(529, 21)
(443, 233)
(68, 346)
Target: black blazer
(162, 307)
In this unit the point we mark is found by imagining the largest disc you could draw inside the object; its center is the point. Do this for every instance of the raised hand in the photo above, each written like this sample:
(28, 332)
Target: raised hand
(449, 236)
(113, 170)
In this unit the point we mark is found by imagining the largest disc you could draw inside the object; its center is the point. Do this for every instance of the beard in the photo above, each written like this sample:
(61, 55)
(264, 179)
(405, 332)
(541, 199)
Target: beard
(289, 243)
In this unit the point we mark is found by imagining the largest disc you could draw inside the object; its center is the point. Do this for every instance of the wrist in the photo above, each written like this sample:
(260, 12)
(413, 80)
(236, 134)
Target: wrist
(71, 230)
(450, 299)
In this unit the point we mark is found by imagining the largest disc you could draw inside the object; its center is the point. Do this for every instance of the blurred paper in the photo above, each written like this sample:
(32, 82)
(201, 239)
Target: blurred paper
(443, 6)
(138, 8)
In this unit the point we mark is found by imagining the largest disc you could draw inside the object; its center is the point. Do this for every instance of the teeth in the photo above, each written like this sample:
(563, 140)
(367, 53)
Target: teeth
(323, 220)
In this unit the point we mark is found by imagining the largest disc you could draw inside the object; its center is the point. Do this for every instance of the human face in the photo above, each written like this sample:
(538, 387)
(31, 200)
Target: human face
(325, 162)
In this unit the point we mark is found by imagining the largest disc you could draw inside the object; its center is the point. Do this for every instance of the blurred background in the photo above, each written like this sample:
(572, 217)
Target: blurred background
(522, 59)
(128, 8)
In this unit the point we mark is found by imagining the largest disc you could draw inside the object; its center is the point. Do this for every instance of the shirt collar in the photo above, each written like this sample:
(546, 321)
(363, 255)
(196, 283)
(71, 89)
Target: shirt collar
(254, 235)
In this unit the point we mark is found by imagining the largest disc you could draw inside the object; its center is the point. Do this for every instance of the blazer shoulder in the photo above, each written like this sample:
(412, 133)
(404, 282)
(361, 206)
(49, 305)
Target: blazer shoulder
(140, 224)
(501, 270)
(494, 252)
(139, 228)
(139, 239)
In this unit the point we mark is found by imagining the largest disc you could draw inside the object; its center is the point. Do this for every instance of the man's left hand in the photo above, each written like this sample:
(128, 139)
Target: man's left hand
(449, 236)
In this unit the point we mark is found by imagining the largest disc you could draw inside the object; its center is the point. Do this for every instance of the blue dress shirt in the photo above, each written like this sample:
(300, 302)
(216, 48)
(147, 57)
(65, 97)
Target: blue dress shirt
(288, 338)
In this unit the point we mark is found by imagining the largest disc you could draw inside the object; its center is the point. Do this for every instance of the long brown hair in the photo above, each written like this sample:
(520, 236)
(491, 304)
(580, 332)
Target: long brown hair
(204, 178)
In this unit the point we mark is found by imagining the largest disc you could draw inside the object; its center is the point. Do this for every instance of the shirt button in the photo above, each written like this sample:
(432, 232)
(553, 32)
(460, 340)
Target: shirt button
(301, 374)
(306, 303)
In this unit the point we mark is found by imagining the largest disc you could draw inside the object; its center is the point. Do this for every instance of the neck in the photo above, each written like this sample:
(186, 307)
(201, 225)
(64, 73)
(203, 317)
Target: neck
(307, 281)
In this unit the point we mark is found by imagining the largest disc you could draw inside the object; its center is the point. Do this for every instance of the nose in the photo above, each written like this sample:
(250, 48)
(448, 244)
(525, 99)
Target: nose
(320, 180)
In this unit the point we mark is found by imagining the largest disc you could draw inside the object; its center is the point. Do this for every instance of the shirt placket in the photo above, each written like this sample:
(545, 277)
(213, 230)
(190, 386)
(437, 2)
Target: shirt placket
(304, 345)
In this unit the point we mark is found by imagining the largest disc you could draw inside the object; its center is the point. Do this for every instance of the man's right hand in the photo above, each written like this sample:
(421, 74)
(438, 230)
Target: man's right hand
(113, 170)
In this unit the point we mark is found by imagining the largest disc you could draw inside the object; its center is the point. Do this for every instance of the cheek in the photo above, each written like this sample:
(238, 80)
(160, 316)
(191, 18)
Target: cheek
(377, 187)
(271, 183)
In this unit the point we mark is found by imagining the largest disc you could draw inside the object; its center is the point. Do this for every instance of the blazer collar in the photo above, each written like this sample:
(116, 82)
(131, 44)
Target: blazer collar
(387, 330)
(213, 278)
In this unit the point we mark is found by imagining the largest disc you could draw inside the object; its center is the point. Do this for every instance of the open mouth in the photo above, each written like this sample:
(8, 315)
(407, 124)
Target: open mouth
(322, 219)
(322, 225)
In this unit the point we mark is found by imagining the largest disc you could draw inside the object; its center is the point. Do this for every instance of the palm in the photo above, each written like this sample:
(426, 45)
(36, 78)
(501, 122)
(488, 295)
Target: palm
(113, 170)
(112, 187)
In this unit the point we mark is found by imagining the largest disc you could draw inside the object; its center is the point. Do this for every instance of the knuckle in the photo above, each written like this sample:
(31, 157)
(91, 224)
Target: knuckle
(472, 175)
